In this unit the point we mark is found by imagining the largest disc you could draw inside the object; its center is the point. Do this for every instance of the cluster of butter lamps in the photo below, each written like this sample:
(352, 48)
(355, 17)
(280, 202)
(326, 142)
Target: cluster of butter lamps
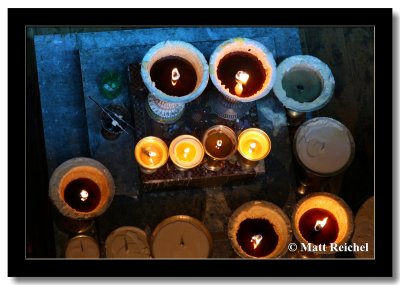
(242, 70)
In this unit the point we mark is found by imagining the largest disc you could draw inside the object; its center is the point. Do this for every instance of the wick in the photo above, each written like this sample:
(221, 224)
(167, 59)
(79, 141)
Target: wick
(126, 244)
(81, 246)
(182, 243)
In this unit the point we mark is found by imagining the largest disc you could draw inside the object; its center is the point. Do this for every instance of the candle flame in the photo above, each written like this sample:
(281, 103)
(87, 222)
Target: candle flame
(186, 152)
(151, 154)
(255, 240)
(175, 75)
(320, 224)
(219, 144)
(252, 147)
(84, 195)
(241, 79)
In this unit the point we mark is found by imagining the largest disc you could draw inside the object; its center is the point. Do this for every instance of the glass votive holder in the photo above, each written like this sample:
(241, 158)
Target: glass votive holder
(220, 143)
(111, 124)
(111, 84)
(186, 152)
(253, 146)
(151, 153)
(321, 222)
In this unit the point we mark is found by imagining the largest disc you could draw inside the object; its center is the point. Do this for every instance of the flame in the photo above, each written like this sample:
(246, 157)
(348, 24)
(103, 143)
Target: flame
(151, 154)
(255, 240)
(241, 79)
(186, 152)
(219, 144)
(252, 147)
(320, 224)
(175, 75)
(84, 195)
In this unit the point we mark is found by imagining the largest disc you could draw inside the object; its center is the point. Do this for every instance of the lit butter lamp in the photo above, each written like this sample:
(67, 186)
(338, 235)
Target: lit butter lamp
(253, 145)
(186, 152)
(175, 73)
(181, 236)
(259, 229)
(82, 246)
(151, 153)
(81, 188)
(243, 71)
(320, 219)
(127, 242)
(220, 143)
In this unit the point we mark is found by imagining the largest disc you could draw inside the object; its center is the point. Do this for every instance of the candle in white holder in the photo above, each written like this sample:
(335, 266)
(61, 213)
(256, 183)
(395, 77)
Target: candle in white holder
(324, 146)
(181, 237)
(82, 246)
(127, 242)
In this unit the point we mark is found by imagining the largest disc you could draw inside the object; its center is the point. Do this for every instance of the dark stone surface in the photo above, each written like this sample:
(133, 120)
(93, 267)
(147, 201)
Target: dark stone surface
(65, 121)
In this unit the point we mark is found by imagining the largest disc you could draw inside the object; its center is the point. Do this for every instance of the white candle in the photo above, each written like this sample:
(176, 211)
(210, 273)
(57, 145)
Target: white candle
(324, 145)
(127, 242)
(82, 246)
(181, 237)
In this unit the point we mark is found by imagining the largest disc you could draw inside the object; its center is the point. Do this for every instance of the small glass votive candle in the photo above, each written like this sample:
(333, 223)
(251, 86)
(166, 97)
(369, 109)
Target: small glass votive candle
(111, 129)
(186, 152)
(111, 84)
(151, 153)
(253, 146)
(321, 222)
(220, 143)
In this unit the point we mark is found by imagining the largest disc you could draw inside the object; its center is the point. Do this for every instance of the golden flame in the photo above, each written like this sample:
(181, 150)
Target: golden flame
(175, 76)
(151, 154)
(252, 147)
(255, 240)
(320, 224)
(186, 152)
(84, 195)
(241, 79)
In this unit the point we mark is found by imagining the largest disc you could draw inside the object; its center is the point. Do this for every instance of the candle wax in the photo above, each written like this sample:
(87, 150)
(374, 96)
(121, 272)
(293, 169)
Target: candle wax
(233, 62)
(302, 85)
(185, 151)
(253, 227)
(161, 74)
(82, 195)
(327, 234)
(82, 247)
(219, 145)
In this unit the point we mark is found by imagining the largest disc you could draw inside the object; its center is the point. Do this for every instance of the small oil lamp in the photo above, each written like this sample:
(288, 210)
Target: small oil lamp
(259, 229)
(303, 84)
(243, 71)
(175, 73)
(253, 146)
(181, 236)
(321, 219)
(81, 188)
(82, 246)
(186, 152)
(127, 242)
(220, 143)
(151, 153)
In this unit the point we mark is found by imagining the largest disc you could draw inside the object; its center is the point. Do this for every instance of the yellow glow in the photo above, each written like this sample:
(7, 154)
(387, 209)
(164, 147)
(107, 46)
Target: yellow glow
(255, 240)
(320, 224)
(185, 151)
(254, 144)
(151, 154)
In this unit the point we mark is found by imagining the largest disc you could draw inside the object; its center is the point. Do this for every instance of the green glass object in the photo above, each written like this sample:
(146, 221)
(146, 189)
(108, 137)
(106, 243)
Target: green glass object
(111, 83)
